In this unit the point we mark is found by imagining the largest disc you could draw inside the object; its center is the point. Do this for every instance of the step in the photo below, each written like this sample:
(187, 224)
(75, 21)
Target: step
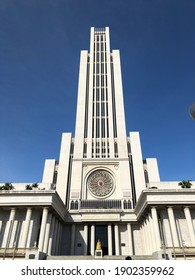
(140, 257)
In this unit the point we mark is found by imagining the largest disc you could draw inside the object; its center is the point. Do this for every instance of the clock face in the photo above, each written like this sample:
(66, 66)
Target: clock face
(100, 183)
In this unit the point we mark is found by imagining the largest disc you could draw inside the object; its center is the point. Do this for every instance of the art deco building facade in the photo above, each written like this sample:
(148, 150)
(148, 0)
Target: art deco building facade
(100, 188)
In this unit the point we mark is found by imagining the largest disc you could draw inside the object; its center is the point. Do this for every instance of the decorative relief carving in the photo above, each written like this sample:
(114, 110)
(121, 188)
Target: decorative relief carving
(100, 183)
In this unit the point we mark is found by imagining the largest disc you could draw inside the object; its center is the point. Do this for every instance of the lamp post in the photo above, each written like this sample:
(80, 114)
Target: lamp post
(192, 111)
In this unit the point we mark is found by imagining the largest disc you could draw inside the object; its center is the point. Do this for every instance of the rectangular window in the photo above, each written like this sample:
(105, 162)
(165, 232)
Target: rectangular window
(97, 109)
(97, 57)
(107, 127)
(97, 81)
(97, 128)
(102, 80)
(97, 94)
(102, 109)
(97, 68)
(102, 94)
(103, 128)
(102, 68)
(102, 56)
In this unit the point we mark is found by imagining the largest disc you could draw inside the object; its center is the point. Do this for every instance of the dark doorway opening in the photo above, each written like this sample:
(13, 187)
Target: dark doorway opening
(101, 233)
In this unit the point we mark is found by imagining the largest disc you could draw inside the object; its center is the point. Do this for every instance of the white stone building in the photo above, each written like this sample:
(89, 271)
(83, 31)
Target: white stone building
(101, 187)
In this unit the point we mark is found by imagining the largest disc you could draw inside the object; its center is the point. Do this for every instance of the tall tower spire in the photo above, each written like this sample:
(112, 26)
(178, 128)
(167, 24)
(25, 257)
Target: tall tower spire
(100, 122)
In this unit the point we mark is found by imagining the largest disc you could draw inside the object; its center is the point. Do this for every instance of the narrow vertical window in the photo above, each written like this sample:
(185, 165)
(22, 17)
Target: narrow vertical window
(115, 149)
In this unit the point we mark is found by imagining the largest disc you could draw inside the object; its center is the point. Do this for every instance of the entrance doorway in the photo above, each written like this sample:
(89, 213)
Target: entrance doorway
(101, 233)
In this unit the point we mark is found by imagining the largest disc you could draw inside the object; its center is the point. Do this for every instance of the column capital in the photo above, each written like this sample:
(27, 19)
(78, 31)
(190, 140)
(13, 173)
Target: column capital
(187, 206)
(170, 207)
(154, 208)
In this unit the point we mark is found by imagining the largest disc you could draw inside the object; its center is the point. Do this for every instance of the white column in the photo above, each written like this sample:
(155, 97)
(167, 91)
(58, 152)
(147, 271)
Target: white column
(116, 233)
(9, 227)
(190, 225)
(156, 228)
(173, 227)
(47, 230)
(1, 225)
(72, 240)
(51, 236)
(92, 240)
(129, 230)
(152, 234)
(26, 227)
(85, 240)
(109, 240)
(42, 230)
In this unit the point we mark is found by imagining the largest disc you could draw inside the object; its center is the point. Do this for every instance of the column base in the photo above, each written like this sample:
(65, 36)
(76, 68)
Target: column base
(98, 254)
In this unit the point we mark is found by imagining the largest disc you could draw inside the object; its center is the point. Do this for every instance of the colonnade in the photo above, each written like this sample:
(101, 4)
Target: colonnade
(50, 231)
(48, 234)
(92, 244)
(152, 229)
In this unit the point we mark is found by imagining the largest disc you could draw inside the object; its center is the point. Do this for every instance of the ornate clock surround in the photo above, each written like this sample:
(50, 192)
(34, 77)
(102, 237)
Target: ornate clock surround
(100, 183)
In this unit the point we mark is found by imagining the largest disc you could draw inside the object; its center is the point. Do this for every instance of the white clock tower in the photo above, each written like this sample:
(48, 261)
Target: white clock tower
(101, 168)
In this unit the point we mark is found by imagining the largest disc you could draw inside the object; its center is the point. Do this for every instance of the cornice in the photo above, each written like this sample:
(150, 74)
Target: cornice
(163, 197)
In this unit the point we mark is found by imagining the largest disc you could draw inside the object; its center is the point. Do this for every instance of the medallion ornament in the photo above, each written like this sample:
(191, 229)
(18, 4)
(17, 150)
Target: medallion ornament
(100, 183)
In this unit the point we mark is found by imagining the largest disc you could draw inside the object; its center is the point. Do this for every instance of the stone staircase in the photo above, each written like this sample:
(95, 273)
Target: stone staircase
(141, 257)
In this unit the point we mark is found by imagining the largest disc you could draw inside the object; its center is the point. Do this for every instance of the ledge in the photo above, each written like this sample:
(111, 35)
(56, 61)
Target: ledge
(31, 198)
(171, 197)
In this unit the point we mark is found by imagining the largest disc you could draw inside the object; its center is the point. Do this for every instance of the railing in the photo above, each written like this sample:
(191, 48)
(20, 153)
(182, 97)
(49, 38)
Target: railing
(100, 204)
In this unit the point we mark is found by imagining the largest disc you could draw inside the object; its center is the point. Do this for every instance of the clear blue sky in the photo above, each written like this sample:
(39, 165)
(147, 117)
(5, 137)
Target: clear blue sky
(40, 43)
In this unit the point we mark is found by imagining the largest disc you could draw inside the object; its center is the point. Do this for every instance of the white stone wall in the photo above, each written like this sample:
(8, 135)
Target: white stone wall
(22, 186)
(167, 185)
(137, 161)
(48, 172)
(137, 240)
(63, 167)
(152, 169)
(182, 228)
(124, 239)
(118, 169)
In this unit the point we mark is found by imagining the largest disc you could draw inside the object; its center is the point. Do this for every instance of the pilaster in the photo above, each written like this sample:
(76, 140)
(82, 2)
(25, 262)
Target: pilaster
(190, 224)
(110, 252)
(173, 227)
(43, 227)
